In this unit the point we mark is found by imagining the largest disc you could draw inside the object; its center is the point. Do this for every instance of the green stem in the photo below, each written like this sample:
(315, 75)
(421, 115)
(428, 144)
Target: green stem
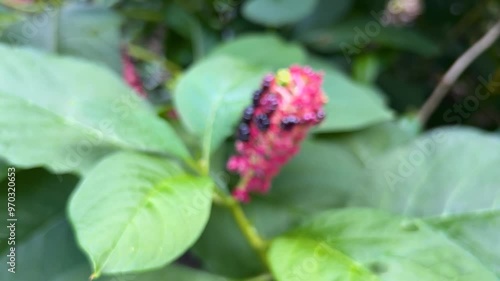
(244, 224)
(248, 230)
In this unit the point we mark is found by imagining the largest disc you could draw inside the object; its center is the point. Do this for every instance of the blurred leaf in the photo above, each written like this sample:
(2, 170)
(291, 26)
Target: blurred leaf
(40, 227)
(3, 167)
(277, 12)
(187, 25)
(211, 96)
(324, 175)
(66, 114)
(351, 37)
(366, 68)
(40, 198)
(368, 144)
(445, 172)
(158, 212)
(265, 50)
(47, 254)
(451, 176)
(326, 13)
(477, 232)
(365, 244)
(405, 94)
(77, 29)
(7, 18)
(351, 106)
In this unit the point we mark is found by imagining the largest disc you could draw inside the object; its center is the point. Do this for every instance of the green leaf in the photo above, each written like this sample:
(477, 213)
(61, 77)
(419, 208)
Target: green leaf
(323, 175)
(365, 244)
(477, 232)
(277, 12)
(49, 253)
(76, 29)
(266, 50)
(40, 227)
(325, 14)
(445, 172)
(211, 96)
(188, 26)
(351, 37)
(370, 143)
(134, 212)
(351, 105)
(40, 198)
(66, 114)
(449, 175)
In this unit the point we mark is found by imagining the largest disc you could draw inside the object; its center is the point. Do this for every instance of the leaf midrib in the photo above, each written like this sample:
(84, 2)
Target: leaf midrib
(155, 188)
(82, 127)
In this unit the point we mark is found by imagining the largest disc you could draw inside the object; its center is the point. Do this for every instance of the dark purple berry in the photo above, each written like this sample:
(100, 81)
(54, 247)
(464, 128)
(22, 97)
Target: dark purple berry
(248, 114)
(243, 132)
(288, 122)
(267, 83)
(256, 97)
(262, 121)
(270, 103)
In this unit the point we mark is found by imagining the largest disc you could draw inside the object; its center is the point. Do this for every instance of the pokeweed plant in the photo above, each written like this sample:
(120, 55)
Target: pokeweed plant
(271, 164)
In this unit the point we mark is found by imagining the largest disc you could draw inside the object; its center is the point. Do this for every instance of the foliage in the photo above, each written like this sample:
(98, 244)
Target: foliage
(118, 187)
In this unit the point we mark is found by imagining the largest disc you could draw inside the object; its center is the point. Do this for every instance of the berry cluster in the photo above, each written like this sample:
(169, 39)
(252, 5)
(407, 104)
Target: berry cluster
(130, 75)
(283, 110)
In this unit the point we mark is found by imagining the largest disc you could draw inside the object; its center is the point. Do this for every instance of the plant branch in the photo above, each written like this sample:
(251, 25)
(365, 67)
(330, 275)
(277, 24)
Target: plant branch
(246, 227)
(244, 224)
(456, 70)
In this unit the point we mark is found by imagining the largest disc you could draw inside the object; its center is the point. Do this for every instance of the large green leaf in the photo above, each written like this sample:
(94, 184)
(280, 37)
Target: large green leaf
(447, 171)
(134, 212)
(65, 114)
(46, 255)
(451, 176)
(325, 14)
(76, 29)
(266, 50)
(351, 105)
(40, 228)
(477, 232)
(277, 12)
(40, 198)
(370, 143)
(365, 244)
(323, 175)
(212, 95)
